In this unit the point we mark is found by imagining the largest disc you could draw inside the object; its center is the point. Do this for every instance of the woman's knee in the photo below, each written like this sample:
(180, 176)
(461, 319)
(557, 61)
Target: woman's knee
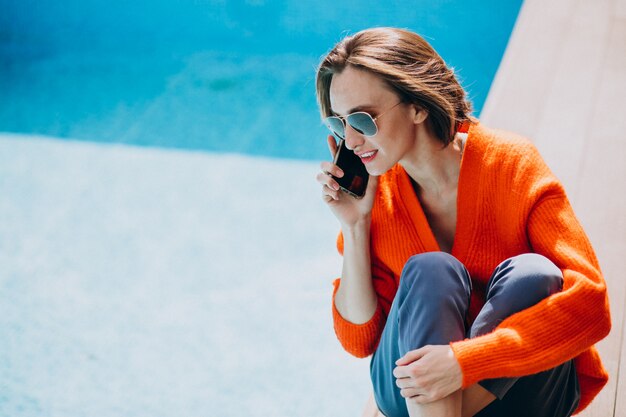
(434, 273)
(518, 283)
(530, 276)
(432, 301)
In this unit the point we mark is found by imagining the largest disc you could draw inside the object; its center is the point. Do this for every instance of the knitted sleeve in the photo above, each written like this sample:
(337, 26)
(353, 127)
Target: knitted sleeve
(560, 327)
(361, 340)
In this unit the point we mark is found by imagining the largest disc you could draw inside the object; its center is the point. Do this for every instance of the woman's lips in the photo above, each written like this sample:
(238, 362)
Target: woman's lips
(367, 156)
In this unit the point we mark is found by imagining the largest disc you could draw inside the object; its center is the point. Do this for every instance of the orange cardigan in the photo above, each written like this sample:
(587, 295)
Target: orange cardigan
(508, 203)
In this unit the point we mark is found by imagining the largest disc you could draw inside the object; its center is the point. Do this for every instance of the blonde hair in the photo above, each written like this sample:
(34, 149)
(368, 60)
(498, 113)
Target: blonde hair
(410, 66)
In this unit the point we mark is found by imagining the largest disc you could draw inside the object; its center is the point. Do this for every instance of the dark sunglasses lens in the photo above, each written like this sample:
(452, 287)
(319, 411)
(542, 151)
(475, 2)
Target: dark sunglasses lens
(363, 123)
(336, 126)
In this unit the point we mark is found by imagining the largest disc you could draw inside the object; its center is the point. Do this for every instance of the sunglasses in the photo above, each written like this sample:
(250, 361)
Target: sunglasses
(360, 121)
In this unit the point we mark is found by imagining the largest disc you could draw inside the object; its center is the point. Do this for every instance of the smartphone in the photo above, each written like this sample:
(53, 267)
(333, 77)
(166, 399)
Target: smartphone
(355, 176)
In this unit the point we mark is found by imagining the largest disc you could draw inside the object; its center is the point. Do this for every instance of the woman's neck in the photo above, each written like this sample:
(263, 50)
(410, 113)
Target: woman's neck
(434, 168)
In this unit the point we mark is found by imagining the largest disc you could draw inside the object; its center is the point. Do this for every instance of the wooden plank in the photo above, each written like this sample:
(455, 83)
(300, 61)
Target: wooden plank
(619, 67)
(515, 104)
(544, 91)
(567, 103)
(620, 9)
(602, 205)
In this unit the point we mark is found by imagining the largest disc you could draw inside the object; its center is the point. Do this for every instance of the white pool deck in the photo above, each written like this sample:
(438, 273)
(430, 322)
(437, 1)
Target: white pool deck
(150, 282)
(146, 282)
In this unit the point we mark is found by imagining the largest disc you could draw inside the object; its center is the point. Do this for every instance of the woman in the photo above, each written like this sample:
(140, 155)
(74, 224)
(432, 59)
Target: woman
(465, 271)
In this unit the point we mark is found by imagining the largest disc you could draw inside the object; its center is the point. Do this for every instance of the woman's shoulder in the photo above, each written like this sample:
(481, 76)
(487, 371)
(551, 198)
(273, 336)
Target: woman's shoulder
(493, 141)
(509, 160)
(503, 150)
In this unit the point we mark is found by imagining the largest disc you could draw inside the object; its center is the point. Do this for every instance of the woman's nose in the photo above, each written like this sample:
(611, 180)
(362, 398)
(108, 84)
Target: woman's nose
(353, 138)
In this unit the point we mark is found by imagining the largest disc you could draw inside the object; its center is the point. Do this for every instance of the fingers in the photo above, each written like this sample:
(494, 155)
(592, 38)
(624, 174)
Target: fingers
(332, 145)
(418, 393)
(408, 388)
(330, 187)
(407, 374)
(330, 194)
(411, 356)
(405, 383)
(409, 393)
(331, 169)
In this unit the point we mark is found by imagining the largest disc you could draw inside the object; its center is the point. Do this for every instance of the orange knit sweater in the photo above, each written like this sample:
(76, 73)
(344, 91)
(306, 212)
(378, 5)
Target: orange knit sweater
(508, 203)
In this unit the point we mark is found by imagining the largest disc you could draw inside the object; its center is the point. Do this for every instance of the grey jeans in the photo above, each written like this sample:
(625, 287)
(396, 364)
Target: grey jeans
(430, 308)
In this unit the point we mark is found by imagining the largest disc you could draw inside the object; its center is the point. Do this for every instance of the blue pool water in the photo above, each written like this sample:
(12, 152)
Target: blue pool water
(142, 281)
(224, 76)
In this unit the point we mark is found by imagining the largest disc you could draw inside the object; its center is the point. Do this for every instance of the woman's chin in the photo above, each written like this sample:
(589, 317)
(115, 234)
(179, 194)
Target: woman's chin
(376, 170)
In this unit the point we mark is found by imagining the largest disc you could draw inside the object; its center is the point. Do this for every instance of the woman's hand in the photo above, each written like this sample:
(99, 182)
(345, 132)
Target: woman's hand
(348, 210)
(428, 374)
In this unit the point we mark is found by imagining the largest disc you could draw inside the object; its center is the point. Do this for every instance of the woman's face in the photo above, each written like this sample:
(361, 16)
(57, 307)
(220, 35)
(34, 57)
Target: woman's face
(355, 90)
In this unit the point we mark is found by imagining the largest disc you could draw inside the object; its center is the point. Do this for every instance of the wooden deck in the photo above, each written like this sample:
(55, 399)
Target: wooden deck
(562, 83)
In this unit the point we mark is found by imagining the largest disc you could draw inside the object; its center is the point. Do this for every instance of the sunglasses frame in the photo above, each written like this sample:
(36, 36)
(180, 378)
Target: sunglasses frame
(345, 121)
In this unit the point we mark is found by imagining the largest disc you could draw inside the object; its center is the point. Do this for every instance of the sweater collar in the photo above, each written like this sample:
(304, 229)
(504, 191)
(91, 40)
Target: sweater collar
(466, 207)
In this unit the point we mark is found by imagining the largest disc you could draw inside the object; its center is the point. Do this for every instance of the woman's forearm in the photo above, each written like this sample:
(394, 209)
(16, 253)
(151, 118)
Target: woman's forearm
(356, 299)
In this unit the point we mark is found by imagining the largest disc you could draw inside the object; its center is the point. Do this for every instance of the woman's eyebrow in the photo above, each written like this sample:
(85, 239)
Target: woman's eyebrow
(362, 107)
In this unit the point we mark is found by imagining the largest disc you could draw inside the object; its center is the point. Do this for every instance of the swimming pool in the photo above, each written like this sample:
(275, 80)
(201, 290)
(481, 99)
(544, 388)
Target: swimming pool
(141, 281)
(210, 75)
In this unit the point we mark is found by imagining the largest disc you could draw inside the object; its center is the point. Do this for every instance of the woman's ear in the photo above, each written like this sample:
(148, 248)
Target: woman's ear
(419, 114)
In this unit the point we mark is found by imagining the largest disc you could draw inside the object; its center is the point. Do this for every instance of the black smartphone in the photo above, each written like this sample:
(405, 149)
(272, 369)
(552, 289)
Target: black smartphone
(355, 176)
